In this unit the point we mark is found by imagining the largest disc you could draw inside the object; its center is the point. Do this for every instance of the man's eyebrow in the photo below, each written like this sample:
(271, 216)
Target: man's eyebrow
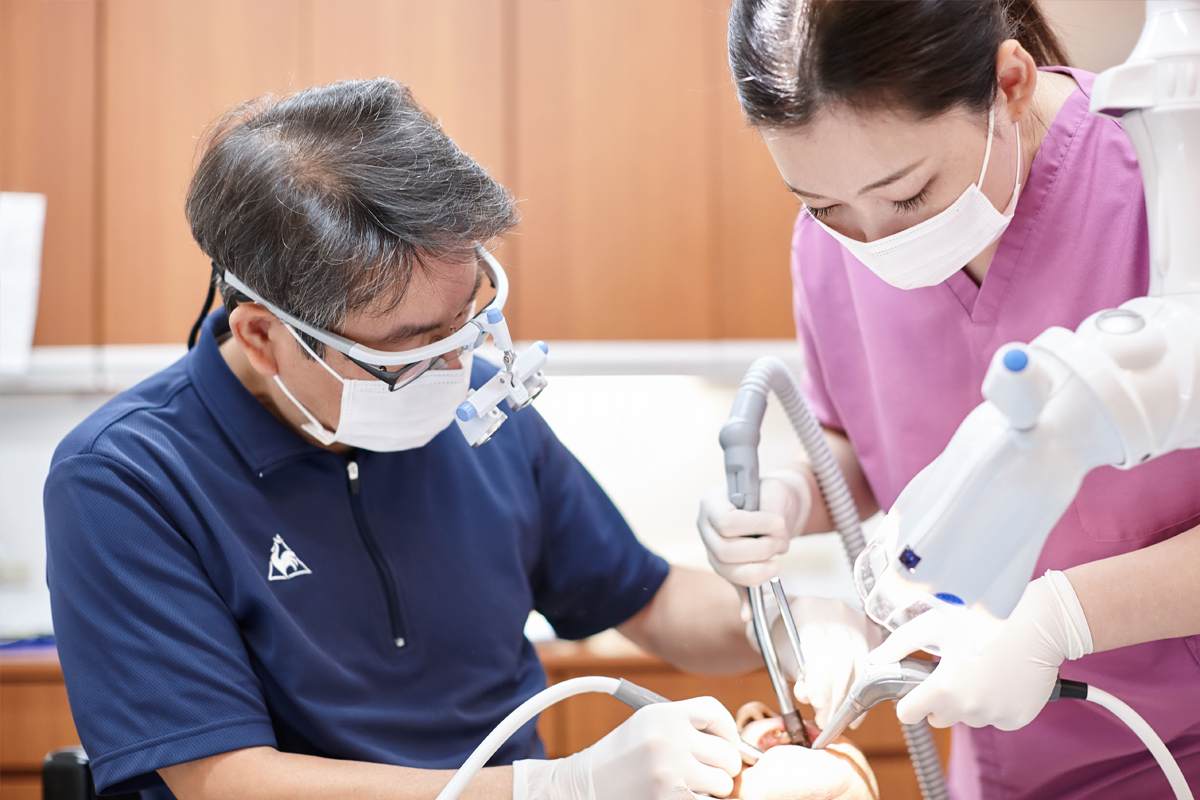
(408, 331)
(895, 176)
(411, 330)
(478, 286)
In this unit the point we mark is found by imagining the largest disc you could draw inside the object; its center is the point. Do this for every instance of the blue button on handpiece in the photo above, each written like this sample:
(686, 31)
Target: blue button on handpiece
(1016, 360)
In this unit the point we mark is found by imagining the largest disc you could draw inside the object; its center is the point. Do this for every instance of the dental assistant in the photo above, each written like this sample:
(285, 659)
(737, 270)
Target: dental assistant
(279, 572)
(958, 196)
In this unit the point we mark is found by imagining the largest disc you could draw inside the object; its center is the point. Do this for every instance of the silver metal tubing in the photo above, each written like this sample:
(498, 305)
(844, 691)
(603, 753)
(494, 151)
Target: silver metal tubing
(789, 624)
(762, 631)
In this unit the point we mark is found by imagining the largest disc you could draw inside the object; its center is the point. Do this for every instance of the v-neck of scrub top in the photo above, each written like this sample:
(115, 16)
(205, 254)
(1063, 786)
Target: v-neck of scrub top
(982, 302)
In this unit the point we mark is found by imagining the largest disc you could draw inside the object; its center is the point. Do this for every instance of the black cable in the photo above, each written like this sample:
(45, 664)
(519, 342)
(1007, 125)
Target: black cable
(1069, 690)
(208, 301)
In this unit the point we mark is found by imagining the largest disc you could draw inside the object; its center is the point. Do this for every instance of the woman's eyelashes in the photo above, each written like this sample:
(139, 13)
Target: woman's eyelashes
(820, 213)
(901, 206)
(912, 203)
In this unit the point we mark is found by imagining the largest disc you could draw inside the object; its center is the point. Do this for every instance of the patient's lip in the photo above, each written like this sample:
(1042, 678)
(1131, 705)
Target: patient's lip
(766, 733)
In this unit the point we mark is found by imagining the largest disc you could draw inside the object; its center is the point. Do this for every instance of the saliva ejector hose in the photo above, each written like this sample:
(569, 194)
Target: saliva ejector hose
(628, 693)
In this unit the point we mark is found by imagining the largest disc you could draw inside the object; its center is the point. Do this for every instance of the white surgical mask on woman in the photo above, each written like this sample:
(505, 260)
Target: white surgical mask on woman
(931, 251)
(375, 418)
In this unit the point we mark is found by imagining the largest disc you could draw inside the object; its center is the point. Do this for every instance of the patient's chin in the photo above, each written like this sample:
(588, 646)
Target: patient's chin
(786, 772)
(797, 773)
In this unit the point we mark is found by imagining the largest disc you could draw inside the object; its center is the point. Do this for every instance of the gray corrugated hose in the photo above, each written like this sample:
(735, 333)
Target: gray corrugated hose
(739, 439)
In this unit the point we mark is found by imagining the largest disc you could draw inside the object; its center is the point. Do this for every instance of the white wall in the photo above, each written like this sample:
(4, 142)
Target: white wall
(30, 428)
(1098, 34)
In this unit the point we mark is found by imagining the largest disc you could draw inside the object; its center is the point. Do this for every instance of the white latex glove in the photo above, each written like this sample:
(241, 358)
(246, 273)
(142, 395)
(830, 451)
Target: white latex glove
(662, 748)
(742, 544)
(1011, 678)
(836, 640)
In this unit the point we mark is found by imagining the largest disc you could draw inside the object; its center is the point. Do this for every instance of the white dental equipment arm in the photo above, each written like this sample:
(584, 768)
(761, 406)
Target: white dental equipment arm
(1122, 389)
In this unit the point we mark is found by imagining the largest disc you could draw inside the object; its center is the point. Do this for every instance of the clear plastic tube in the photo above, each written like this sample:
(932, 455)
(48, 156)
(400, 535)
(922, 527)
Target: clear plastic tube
(1144, 732)
(518, 717)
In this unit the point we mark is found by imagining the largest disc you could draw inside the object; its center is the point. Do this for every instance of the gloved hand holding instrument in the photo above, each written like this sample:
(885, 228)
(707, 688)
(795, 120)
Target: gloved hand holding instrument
(741, 544)
(663, 750)
(738, 535)
(690, 744)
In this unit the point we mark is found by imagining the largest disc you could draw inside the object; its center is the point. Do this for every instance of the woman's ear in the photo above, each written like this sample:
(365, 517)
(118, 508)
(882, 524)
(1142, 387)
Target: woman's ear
(256, 331)
(1017, 73)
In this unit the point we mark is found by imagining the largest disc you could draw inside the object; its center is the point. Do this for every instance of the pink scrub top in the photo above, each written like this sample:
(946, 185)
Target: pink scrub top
(899, 370)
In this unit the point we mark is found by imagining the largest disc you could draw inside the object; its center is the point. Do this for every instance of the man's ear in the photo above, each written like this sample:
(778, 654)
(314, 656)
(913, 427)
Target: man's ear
(1017, 72)
(258, 333)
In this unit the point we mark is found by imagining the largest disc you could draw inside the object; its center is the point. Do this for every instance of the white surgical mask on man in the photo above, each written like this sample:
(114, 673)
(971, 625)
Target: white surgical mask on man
(931, 251)
(375, 418)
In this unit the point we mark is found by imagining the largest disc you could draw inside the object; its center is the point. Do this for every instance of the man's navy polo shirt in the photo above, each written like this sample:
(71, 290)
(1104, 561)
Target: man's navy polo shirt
(219, 583)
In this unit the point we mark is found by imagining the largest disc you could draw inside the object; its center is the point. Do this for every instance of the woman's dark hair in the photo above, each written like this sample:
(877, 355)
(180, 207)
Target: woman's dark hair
(324, 202)
(792, 58)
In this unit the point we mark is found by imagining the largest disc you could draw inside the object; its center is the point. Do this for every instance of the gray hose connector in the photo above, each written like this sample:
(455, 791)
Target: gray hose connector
(740, 438)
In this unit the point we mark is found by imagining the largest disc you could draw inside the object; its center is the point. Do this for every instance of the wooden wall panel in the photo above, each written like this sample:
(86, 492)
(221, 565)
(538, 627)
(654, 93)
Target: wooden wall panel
(450, 53)
(168, 70)
(650, 210)
(47, 145)
(613, 140)
(753, 223)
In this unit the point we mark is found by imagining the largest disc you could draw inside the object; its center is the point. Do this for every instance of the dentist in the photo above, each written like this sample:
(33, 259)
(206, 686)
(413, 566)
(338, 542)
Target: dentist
(278, 570)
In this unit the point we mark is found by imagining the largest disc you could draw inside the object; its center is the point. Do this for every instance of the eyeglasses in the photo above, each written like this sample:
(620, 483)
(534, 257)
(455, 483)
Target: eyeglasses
(415, 362)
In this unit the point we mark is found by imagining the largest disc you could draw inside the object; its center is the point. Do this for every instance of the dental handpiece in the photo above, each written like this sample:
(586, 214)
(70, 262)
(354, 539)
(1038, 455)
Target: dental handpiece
(893, 681)
(881, 682)
(637, 697)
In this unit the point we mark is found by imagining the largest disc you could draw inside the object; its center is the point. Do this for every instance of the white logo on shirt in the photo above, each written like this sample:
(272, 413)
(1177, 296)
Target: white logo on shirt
(285, 563)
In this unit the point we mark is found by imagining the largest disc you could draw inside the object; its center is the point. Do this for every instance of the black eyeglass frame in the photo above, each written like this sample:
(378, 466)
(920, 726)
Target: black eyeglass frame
(414, 362)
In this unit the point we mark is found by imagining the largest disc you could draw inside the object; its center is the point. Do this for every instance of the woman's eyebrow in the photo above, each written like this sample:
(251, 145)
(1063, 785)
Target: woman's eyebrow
(895, 176)
(803, 193)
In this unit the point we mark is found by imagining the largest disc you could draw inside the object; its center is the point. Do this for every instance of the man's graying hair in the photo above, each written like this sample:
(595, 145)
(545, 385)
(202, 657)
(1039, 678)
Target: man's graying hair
(325, 202)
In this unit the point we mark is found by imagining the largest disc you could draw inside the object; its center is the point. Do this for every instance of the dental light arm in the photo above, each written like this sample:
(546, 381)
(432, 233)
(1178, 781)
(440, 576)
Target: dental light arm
(1122, 389)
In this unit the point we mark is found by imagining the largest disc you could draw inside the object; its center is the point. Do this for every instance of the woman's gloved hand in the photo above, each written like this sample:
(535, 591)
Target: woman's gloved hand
(689, 744)
(1011, 678)
(742, 544)
(836, 641)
